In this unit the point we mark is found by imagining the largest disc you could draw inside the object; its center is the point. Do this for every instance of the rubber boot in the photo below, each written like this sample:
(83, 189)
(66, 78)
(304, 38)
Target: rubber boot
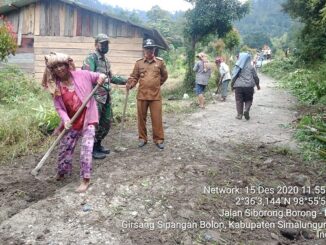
(101, 148)
(96, 153)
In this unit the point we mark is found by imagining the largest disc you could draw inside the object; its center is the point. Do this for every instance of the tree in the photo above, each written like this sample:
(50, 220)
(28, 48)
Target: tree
(156, 13)
(266, 17)
(7, 39)
(170, 27)
(312, 45)
(232, 40)
(208, 16)
(257, 40)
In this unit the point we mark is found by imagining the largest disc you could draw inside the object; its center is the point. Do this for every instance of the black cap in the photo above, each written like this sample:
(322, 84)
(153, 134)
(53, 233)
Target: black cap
(149, 43)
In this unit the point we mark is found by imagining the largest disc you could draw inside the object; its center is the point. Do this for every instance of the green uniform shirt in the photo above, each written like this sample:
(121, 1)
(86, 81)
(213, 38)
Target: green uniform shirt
(98, 63)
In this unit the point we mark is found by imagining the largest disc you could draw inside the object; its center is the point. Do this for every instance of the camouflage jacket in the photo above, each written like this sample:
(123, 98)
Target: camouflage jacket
(98, 63)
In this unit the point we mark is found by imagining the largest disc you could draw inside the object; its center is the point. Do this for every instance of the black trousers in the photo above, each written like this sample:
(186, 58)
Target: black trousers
(243, 98)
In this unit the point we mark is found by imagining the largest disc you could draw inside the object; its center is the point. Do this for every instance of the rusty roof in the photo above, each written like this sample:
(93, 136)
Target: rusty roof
(10, 5)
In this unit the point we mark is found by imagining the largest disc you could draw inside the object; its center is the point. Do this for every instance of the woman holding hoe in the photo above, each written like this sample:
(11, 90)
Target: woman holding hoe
(69, 88)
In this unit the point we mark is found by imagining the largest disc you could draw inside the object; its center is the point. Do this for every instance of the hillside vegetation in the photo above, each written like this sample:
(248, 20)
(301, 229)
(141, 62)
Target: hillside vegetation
(308, 84)
(265, 21)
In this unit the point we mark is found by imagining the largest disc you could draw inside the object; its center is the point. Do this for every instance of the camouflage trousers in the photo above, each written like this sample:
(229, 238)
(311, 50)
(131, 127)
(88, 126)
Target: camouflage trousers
(105, 118)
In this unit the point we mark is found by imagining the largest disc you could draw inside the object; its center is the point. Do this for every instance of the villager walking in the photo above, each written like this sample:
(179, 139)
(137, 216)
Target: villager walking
(244, 79)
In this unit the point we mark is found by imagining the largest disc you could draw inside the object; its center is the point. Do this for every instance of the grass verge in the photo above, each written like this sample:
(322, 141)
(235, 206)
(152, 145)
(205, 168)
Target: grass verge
(308, 84)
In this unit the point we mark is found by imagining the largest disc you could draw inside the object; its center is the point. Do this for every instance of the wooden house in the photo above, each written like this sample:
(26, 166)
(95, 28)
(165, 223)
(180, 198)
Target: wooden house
(69, 27)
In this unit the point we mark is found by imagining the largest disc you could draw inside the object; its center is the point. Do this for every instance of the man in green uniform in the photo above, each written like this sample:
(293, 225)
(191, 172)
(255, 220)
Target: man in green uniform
(97, 62)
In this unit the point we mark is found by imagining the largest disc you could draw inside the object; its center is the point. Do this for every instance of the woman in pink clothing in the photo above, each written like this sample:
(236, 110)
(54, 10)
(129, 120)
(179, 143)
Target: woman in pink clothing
(69, 89)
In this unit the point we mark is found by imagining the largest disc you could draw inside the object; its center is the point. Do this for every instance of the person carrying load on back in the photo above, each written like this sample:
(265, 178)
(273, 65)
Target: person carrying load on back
(244, 79)
(98, 62)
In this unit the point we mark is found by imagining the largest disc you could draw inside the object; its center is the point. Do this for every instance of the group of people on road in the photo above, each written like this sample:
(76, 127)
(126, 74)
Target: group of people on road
(244, 78)
(70, 87)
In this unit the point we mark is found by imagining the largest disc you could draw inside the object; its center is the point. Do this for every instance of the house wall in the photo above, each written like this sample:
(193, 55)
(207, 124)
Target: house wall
(123, 52)
(55, 26)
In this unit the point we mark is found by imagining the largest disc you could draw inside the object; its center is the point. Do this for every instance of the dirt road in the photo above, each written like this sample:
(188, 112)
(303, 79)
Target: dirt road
(218, 181)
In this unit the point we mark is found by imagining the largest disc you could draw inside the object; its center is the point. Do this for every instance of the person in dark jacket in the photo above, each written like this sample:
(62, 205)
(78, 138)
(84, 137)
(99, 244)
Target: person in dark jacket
(244, 79)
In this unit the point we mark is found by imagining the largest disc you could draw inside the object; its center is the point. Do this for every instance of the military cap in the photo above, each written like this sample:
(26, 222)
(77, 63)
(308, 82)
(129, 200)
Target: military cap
(101, 38)
(149, 43)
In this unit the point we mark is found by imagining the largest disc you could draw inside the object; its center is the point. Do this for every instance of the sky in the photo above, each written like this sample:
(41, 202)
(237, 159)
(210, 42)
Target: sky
(169, 5)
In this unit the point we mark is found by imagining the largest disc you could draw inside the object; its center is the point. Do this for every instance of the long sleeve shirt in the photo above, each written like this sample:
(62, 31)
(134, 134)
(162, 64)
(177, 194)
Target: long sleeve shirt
(83, 83)
(225, 72)
(150, 75)
(248, 77)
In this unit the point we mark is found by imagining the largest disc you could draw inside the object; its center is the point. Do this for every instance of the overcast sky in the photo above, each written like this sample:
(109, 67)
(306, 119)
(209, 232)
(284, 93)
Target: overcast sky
(169, 5)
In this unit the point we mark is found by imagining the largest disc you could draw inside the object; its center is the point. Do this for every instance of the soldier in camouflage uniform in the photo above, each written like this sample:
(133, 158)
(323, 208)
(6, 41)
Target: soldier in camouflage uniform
(99, 63)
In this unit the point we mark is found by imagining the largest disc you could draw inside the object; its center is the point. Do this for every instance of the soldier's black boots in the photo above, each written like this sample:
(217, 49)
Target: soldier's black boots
(99, 152)
(102, 149)
(98, 155)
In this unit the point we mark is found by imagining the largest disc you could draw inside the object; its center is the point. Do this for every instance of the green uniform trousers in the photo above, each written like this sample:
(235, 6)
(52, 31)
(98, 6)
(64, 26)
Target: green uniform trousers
(105, 118)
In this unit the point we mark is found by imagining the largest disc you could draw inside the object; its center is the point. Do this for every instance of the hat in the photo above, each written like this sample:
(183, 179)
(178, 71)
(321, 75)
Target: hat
(149, 43)
(49, 80)
(218, 59)
(201, 55)
(54, 58)
(101, 38)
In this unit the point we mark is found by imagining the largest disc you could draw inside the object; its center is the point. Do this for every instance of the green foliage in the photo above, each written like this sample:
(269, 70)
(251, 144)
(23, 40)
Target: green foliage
(232, 40)
(48, 119)
(175, 61)
(265, 21)
(312, 129)
(19, 124)
(219, 46)
(20, 93)
(208, 17)
(18, 132)
(170, 26)
(257, 40)
(155, 14)
(118, 100)
(308, 83)
(16, 88)
(7, 39)
(213, 16)
(312, 44)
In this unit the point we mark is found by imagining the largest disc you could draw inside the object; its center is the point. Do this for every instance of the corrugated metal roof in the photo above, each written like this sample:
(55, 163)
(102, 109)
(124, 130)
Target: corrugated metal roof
(10, 5)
